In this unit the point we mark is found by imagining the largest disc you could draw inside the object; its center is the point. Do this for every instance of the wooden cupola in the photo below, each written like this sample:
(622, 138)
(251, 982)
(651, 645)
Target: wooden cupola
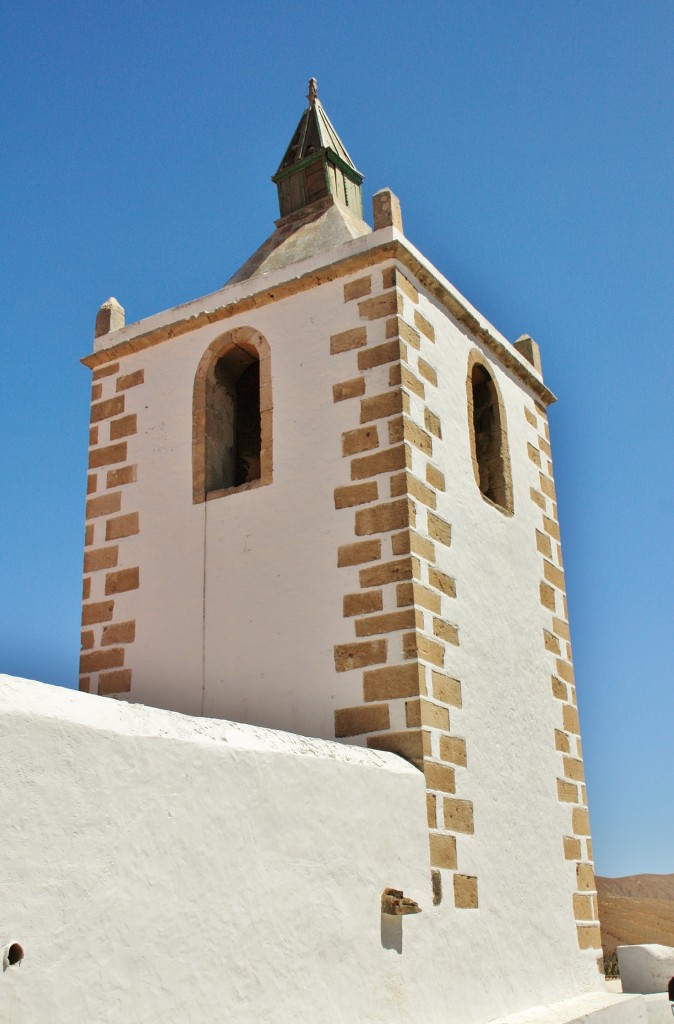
(316, 164)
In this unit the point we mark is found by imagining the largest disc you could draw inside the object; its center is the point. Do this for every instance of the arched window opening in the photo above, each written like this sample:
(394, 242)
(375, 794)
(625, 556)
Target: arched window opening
(232, 416)
(491, 460)
(233, 420)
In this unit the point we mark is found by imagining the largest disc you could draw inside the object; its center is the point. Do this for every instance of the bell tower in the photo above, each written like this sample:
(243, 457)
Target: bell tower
(321, 499)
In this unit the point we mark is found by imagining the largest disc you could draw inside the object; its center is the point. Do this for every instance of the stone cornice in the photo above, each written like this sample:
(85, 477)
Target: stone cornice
(394, 248)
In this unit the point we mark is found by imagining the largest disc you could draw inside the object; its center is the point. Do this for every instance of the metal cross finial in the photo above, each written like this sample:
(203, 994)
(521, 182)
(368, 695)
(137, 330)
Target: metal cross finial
(313, 91)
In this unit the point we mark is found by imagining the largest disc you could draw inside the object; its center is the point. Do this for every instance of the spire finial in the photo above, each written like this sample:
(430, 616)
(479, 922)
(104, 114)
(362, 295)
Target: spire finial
(313, 91)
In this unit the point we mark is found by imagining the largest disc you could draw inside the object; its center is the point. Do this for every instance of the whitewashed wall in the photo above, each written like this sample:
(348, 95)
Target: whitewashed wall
(263, 563)
(160, 868)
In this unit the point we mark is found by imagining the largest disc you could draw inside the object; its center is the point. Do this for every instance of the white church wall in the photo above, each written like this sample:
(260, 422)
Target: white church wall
(159, 868)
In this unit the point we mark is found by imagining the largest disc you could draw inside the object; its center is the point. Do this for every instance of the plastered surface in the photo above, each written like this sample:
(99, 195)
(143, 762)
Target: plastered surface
(161, 868)
(646, 967)
(158, 868)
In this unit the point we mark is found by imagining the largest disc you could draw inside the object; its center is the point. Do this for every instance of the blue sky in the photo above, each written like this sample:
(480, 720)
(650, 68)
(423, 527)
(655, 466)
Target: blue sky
(531, 146)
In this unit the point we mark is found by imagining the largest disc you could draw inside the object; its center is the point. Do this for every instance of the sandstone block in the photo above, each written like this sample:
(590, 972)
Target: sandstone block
(589, 936)
(585, 877)
(573, 769)
(393, 682)
(357, 494)
(458, 815)
(122, 526)
(348, 389)
(446, 631)
(572, 848)
(356, 554)
(453, 749)
(130, 380)
(114, 682)
(108, 455)
(103, 505)
(360, 720)
(389, 403)
(123, 475)
(119, 633)
(387, 304)
(567, 792)
(98, 611)
(104, 410)
(421, 546)
(442, 582)
(357, 655)
(562, 741)
(435, 478)
(363, 602)
(356, 289)
(427, 372)
(346, 341)
(107, 370)
(398, 327)
(100, 558)
(424, 712)
(411, 382)
(446, 689)
(580, 821)
(122, 580)
(393, 515)
(386, 461)
(465, 892)
(440, 777)
(422, 324)
(388, 622)
(377, 355)
(443, 850)
(110, 317)
(94, 661)
(126, 426)
(386, 210)
(432, 422)
(387, 572)
(413, 744)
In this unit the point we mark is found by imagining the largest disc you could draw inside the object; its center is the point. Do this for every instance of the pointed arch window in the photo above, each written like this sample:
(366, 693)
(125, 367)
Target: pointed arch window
(488, 436)
(231, 443)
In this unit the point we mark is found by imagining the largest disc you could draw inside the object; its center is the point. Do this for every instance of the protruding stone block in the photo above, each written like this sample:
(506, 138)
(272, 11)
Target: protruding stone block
(386, 210)
(645, 968)
(110, 317)
(528, 348)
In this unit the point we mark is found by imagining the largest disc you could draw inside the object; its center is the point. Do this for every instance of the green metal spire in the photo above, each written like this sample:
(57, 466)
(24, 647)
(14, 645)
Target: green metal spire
(316, 164)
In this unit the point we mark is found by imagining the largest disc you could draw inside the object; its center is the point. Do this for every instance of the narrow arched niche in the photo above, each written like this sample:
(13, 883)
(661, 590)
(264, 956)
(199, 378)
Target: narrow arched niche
(488, 436)
(231, 442)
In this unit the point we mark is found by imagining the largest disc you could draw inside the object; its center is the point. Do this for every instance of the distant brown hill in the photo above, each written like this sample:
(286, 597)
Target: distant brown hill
(637, 908)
